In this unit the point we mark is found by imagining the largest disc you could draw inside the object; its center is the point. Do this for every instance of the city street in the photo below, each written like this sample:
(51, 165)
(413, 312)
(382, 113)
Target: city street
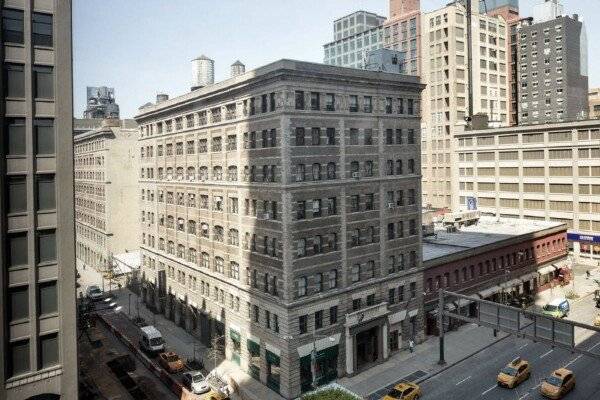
(476, 377)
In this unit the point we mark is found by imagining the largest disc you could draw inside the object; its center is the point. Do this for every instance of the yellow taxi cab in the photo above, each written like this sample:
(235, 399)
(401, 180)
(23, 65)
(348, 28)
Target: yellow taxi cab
(404, 391)
(561, 382)
(215, 395)
(517, 371)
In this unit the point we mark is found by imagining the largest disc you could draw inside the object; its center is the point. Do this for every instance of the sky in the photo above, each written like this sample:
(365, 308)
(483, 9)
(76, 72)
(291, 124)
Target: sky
(145, 47)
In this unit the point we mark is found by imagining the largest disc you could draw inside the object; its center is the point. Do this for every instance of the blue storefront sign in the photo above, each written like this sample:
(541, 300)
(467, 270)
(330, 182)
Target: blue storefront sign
(471, 203)
(582, 237)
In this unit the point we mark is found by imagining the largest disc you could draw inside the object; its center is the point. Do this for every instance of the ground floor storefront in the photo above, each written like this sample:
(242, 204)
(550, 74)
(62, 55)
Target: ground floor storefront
(585, 247)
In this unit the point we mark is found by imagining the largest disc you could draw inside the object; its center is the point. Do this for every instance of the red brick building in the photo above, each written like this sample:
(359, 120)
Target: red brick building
(495, 259)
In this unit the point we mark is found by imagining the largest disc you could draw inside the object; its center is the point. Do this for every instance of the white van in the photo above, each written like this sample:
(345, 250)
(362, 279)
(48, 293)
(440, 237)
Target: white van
(152, 340)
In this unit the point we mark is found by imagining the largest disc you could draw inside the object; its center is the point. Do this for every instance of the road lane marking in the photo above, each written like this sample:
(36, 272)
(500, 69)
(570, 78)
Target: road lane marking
(591, 348)
(573, 360)
(464, 380)
(522, 347)
(545, 354)
(489, 390)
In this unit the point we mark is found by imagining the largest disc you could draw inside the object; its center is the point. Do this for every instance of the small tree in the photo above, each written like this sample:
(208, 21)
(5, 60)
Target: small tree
(216, 350)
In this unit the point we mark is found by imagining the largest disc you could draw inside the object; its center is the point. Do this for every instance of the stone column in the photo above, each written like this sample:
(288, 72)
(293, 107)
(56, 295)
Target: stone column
(168, 307)
(188, 319)
(156, 300)
(384, 337)
(349, 353)
(177, 313)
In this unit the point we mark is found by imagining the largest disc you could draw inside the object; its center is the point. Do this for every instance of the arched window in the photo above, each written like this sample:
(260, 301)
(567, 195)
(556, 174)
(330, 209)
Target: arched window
(192, 227)
(180, 251)
(169, 173)
(218, 233)
(217, 173)
(233, 238)
(232, 173)
(180, 224)
(205, 260)
(171, 247)
(179, 173)
(219, 265)
(191, 173)
(192, 257)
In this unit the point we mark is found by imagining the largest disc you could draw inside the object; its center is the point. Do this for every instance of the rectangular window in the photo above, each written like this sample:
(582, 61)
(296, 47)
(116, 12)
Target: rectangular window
(47, 246)
(47, 298)
(14, 78)
(17, 194)
(44, 135)
(333, 314)
(18, 303)
(42, 29)
(303, 323)
(15, 136)
(12, 25)
(319, 319)
(17, 250)
(46, 193)
(43, 82)
(48, 350)
(18, 358)
(299, 100)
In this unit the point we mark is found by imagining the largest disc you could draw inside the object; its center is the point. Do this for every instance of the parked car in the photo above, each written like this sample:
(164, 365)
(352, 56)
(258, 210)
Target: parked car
(196, 382)
(170, 361)
(151, 340)
(561, 382)
(557, 308)
(517, 371)
(94, 293)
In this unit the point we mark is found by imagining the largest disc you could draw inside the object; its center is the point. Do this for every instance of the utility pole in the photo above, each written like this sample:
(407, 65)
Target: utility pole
(441, 361)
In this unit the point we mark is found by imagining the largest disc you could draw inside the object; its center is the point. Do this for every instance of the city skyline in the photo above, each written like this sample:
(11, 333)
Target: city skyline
(132, 75)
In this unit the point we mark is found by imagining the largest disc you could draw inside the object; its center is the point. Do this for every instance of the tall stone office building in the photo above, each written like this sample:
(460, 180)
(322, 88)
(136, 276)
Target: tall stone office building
(282, 211)
(402, 32)
(553, 70)
(445, 70)
(106, 189)
(37, 334)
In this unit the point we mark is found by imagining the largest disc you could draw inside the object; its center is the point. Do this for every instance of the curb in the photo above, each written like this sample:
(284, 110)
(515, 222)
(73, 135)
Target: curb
(450, 365)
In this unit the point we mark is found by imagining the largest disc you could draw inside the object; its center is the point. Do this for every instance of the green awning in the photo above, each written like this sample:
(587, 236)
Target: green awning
(253, 347)
(272, 358)
(235, 336)
(328, 353)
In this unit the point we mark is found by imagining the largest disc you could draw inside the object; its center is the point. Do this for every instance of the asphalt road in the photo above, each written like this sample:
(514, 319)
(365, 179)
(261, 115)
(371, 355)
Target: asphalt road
(475, 378)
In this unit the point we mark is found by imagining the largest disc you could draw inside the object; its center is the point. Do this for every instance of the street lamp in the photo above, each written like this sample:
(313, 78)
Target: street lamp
(129, 306)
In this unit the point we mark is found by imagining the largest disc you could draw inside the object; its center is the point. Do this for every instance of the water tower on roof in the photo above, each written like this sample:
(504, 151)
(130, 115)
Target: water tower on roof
(203, 72)
(237, 68)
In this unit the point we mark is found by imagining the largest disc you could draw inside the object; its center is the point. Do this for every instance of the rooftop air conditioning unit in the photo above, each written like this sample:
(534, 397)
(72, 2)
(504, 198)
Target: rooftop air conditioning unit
(391, 205)
(356, 175)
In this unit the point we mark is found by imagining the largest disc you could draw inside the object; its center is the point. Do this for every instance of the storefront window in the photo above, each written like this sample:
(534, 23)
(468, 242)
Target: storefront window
(325, 368)
(273, 371)
(254, 365)
(236, 346)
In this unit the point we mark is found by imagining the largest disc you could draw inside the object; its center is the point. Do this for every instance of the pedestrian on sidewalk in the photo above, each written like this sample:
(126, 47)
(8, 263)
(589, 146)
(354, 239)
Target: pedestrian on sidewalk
(587, 274)
(411, 345)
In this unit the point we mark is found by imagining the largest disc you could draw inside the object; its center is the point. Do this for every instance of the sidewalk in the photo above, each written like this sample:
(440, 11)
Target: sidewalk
(178, 340)
(459, 344)
(580, 285)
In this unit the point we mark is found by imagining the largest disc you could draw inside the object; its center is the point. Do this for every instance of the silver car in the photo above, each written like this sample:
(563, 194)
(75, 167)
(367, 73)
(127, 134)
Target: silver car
(94, 293)
(196, 382)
